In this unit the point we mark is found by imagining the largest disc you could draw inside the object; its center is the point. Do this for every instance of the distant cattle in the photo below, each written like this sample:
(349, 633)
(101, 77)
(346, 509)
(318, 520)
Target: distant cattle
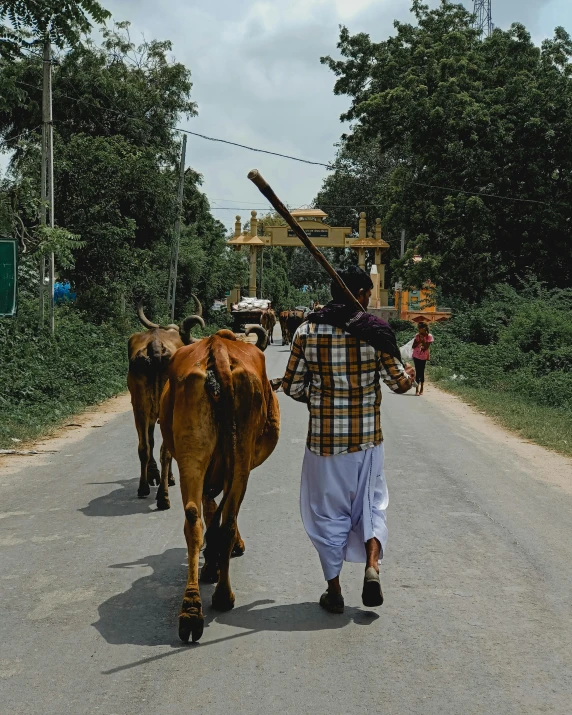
(149, 355)
(293, 322)
(283, 318)
(219, 419)
(268, 322)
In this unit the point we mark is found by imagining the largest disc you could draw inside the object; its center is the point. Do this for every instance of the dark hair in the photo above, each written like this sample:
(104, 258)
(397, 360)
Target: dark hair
(355, 278)
(422, 325)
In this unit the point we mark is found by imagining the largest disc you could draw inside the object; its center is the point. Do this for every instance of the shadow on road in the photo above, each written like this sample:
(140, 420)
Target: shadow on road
(120, 502)
(146, 614)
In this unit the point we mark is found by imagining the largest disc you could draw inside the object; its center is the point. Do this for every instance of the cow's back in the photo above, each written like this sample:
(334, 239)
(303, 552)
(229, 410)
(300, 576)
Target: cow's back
(219, 395)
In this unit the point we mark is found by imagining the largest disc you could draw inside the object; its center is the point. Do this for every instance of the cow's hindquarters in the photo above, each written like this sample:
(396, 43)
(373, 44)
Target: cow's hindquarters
(193, 437)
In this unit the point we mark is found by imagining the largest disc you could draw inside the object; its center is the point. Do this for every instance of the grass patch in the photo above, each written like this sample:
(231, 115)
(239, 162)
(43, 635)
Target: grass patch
(45, 379)
(511, 357)
(547, 426)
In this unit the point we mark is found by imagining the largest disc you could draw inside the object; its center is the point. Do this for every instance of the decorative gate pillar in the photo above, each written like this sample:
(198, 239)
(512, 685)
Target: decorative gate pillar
(252, 278)
(364, 243)
(234, 296)
(362, 235)
(253, 255)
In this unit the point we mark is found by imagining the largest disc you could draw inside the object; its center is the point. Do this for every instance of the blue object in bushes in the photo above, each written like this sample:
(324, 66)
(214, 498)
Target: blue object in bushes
(63, 293)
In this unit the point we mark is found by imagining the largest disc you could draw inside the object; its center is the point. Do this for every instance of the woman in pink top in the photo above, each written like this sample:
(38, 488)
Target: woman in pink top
(421, 345)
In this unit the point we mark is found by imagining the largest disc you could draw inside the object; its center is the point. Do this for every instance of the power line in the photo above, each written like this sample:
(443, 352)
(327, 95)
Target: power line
(293, 158)
(480, 193)
(324, 206)
(187, 131)
(251, 148)
(26, 132)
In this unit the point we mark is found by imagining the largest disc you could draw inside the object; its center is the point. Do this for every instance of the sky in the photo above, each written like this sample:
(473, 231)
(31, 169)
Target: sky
(257, 80)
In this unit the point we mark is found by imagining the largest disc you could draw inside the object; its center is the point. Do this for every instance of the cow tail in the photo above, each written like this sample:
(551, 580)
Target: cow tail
(220, 387)
(227, 413)
(154, 358)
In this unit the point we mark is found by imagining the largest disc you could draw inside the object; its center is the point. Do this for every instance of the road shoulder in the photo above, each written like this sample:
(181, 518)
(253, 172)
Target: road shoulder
(541, 463)
(72, 431)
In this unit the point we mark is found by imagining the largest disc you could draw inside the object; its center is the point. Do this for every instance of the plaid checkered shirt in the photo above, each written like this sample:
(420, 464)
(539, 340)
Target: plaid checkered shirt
(338, 376)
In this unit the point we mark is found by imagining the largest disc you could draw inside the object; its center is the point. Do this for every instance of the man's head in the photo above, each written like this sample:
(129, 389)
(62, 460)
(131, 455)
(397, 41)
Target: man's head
(359, 283)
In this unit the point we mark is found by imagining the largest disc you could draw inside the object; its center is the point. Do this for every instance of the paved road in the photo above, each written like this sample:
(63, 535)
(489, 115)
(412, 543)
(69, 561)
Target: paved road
(477, 578)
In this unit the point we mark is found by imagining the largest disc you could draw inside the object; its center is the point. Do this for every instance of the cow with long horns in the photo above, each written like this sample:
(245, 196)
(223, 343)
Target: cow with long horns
(219, 419)
(149, 355)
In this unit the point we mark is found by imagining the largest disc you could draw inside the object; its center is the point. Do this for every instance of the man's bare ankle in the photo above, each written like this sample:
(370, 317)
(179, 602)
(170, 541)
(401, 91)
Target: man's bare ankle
(334, 586)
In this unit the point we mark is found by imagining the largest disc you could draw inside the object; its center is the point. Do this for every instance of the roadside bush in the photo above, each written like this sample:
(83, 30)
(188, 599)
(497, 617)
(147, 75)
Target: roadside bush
(44, 378)
(401, 326)
(519, 345)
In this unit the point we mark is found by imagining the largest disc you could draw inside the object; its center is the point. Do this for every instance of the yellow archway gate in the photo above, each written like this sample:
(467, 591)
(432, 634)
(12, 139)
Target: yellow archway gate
(323, 236)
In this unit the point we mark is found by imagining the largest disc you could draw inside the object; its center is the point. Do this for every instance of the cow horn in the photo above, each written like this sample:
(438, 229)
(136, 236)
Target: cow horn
(188, 324)
(143, 318)
(262, 335)
(198, 306)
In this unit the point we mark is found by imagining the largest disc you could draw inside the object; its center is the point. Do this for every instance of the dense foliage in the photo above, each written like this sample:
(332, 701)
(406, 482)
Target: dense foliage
(116, 157)
(472, 143)
(116, 154)
(514, 342)
(45, 379)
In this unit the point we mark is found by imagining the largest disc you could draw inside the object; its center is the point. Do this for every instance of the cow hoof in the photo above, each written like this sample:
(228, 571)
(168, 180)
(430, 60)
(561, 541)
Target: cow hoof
(153, 476)
(223, 601)
(172, 481)
(163, 504)
(238, 550)
(143, 492)
(209, 574)
(191, 627)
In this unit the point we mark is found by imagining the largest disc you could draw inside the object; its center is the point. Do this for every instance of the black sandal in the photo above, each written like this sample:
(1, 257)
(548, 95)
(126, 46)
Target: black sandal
(371, 596)
(332, 602)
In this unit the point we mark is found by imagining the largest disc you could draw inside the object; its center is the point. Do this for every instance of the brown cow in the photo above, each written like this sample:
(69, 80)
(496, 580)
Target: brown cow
(149, 355)
(283, 318)
(268, 322)
(293, 322)
(220, 419)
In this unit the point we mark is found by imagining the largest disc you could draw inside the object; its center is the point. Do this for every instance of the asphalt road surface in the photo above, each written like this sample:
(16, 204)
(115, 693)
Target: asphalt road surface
(477, 580)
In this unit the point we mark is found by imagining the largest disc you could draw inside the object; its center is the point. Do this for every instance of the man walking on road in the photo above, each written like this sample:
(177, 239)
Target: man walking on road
(338, 357)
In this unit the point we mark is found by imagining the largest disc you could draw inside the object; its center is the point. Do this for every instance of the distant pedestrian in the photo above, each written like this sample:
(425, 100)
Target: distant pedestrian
(421, 353)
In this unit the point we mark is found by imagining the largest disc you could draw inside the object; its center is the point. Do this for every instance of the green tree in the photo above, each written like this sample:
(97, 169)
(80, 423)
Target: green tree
(61, 22)
(485, 118)
(115, 110)
(207, 266)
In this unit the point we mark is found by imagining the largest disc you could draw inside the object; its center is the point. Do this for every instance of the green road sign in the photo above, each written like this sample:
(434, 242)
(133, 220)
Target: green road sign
(8, 267)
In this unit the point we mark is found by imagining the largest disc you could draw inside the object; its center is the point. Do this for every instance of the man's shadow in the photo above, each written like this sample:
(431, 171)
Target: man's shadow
(146, 614)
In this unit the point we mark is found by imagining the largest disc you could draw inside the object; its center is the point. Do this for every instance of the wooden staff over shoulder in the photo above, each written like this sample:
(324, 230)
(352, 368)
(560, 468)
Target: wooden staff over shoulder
(258, 180)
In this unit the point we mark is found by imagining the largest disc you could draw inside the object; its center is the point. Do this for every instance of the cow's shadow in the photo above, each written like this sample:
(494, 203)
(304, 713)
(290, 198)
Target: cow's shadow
(146, 614)
(122, 501)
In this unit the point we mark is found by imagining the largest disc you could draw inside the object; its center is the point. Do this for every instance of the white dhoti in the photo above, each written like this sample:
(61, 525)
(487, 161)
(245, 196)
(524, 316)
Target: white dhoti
(343, 500)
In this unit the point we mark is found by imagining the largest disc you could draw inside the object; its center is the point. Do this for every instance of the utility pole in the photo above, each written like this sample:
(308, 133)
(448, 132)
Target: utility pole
(177, 234)
(50, 170)
(47, 184)
(400, 291)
